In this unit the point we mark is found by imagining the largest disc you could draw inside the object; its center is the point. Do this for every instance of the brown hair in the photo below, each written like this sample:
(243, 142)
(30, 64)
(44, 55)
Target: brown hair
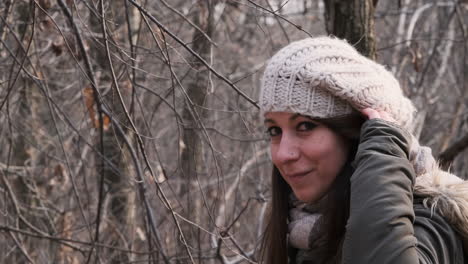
(274, 248)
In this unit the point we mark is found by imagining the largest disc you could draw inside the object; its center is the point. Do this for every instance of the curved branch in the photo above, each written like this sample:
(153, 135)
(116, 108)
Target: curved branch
(141, 145)
(207, 65)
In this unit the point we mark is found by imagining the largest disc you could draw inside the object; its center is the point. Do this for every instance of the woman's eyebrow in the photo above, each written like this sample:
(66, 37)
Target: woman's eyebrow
(295, 116)
(292, 118)
(268, 120)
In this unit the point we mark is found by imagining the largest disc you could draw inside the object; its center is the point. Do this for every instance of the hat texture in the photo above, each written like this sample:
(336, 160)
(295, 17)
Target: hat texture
(326, 77)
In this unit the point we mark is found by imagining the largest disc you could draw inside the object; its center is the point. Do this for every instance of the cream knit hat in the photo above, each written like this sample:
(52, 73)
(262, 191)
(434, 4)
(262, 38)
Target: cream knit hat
(326, 77)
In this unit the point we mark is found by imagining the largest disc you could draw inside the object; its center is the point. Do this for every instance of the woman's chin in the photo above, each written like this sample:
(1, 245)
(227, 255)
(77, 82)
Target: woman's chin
(305, 197)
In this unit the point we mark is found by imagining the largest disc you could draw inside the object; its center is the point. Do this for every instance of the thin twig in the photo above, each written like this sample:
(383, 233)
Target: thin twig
(141, 145)
(282, 17)
(22, 249)
(190, 22)
(96, 94)
(161, 26)
(66, 241)
(434, 49)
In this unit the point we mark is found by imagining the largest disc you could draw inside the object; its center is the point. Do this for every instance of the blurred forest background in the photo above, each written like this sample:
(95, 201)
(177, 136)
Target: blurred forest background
(130, 131)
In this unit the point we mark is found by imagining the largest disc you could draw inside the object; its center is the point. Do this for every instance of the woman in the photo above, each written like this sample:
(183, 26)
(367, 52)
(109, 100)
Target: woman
(350, 184)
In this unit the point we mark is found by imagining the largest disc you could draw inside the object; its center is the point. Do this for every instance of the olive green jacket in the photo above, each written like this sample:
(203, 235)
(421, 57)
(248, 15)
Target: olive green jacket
(388, 222)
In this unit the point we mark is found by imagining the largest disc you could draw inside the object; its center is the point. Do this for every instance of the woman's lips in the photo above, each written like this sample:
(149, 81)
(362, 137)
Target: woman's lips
(297, 176)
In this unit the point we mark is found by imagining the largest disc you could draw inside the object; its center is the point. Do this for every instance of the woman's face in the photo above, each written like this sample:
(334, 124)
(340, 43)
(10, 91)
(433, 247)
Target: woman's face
(308, 154)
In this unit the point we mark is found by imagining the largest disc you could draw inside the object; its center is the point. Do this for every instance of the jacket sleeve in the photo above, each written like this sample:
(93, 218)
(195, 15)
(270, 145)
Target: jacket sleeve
(381, 228)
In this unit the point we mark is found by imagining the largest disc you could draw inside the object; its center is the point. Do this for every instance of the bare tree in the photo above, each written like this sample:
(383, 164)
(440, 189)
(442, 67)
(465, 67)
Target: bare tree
(198, 86)
(131, 129)
(354, 21)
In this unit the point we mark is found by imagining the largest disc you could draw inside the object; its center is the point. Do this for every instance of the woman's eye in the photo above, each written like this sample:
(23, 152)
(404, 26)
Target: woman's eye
(306, 126)
(273, 131)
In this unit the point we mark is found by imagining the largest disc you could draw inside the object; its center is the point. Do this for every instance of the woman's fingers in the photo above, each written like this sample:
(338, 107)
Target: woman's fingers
(372, 113)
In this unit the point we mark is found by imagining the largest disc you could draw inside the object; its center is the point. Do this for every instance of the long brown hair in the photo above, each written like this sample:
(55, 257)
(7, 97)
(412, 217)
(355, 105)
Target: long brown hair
(274, 248)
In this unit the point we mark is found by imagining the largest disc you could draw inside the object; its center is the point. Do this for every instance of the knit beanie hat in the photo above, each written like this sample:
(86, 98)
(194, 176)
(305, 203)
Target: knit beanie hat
(326, 77)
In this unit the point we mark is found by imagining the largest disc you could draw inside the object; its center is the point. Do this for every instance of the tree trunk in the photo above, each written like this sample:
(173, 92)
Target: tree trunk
(24, 146)
(352, 20)
(117, 174)
(197, 91)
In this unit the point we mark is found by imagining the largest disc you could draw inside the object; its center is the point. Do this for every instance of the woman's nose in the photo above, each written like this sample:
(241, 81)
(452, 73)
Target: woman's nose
(288, 149)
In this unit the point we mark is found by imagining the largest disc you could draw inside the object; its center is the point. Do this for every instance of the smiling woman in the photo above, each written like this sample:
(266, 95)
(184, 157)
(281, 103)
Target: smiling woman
(350, 184)
(308, 154)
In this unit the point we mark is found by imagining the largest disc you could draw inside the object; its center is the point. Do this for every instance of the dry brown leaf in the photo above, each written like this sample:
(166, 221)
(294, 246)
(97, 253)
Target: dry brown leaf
(88, 93)
(106, 122)
(416, 57)
(89, 101)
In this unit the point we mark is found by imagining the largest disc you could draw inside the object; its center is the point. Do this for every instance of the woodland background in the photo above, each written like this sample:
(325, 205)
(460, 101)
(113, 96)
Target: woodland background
(130, 131)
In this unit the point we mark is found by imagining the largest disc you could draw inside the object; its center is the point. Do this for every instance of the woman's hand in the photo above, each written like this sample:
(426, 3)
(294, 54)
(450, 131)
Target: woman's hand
(372, 113)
